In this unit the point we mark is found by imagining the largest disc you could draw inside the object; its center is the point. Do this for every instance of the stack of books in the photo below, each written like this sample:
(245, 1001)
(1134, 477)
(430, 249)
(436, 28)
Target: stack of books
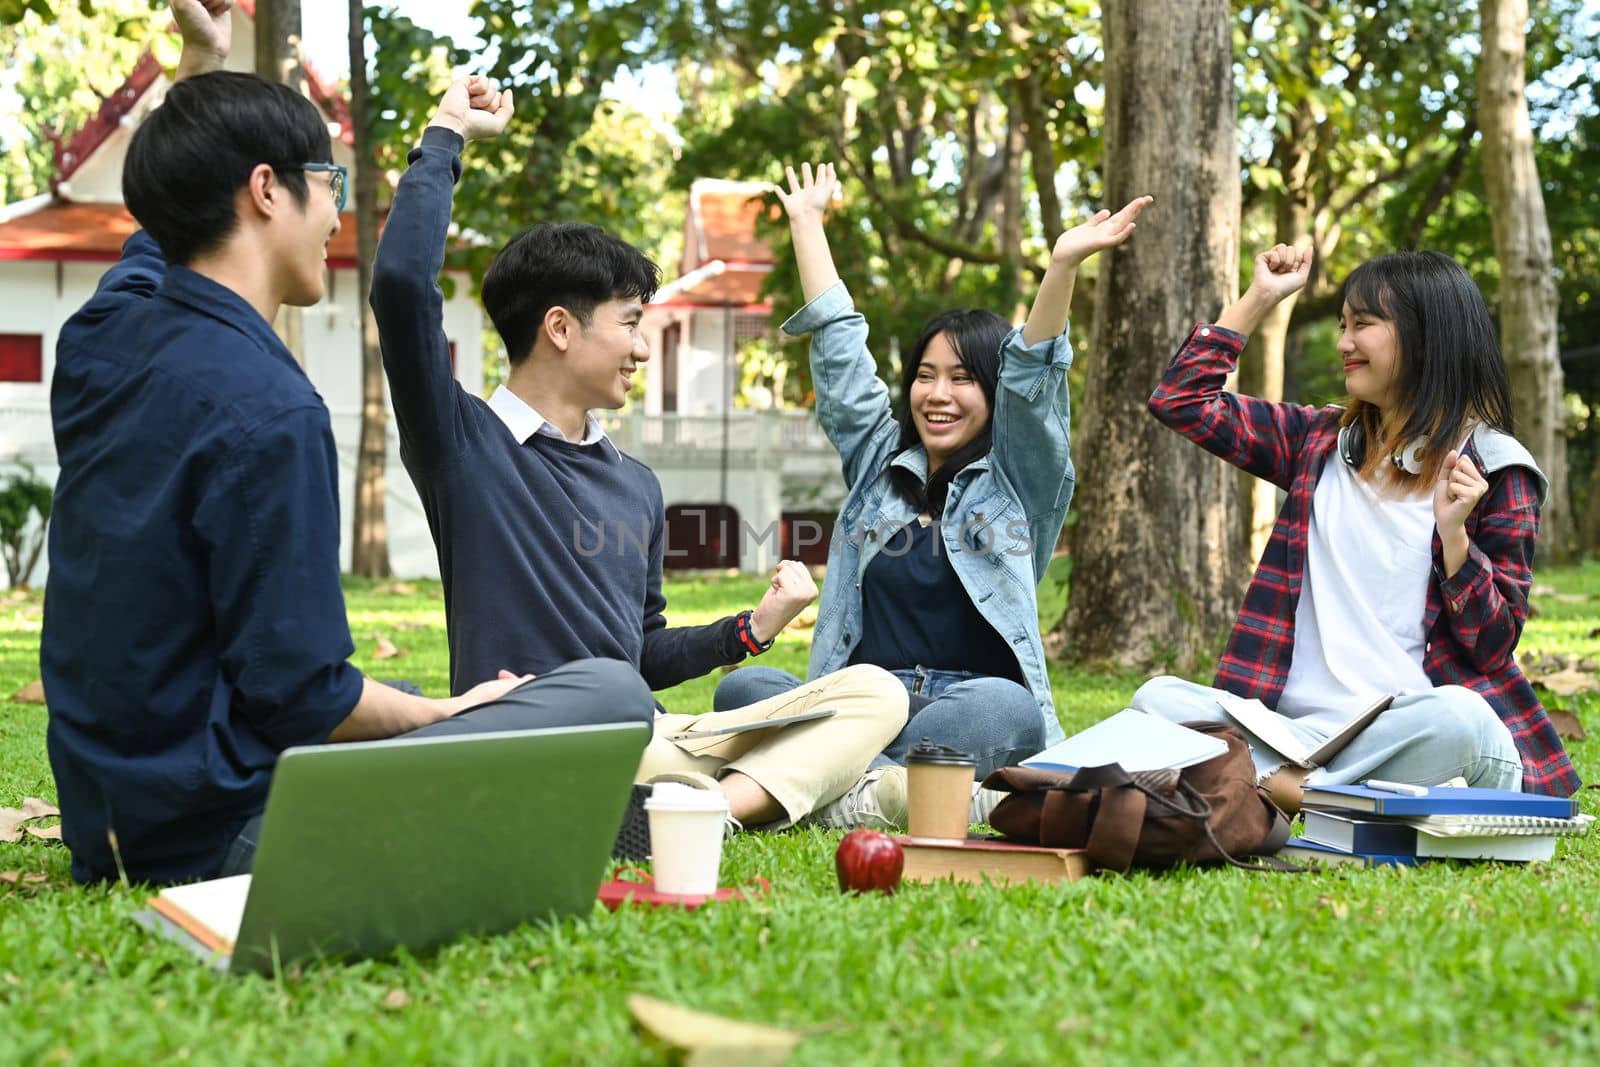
(1404, 825)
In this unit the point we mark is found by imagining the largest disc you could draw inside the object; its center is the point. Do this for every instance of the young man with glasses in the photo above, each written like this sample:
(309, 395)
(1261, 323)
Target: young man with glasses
(194, 623)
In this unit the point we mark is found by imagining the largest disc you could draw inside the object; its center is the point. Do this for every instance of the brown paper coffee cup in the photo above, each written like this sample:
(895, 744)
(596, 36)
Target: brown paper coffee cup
(939, 787)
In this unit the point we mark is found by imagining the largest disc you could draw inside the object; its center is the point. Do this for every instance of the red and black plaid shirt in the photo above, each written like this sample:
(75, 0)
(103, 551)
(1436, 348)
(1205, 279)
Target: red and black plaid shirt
(1473, 619)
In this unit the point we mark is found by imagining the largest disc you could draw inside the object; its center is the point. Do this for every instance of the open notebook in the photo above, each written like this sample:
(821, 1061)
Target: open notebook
(1136, 740)
(1271, 729)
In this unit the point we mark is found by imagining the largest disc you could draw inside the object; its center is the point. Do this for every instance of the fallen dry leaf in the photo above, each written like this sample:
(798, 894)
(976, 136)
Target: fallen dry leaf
(1542, 590)
(44, 833)
(707, 1040)
(32, 693)
(396, 999)
(385, 649)
(1567, 682)
(12, 819)
(29, 880)
(39, 809)
(1568, 725)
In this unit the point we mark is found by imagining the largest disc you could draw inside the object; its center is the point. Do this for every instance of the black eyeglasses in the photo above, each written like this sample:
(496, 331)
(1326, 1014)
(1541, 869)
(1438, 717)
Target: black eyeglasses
(338, 184)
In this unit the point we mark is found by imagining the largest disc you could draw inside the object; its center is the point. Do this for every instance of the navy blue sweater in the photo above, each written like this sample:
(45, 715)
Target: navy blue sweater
(550, 552)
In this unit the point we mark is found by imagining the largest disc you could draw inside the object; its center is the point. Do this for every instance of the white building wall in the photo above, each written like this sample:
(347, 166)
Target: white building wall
(704, 380)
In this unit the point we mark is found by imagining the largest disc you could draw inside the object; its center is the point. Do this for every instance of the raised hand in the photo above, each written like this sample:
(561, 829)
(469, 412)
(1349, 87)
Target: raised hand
(1103, 230)
(206, 27)
(1281, 271)
(1459, 488)
(474, 108)
(791, 590)
(808, 195)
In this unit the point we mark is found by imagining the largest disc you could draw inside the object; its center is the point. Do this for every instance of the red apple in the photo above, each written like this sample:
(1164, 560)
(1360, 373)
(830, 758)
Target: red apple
(869, 861)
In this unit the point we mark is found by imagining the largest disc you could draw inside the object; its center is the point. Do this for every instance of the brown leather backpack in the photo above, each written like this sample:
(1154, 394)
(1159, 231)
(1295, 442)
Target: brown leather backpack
(1209, 813)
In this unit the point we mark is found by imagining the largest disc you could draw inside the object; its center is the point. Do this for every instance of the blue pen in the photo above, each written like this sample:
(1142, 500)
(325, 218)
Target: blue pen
(1402, 788)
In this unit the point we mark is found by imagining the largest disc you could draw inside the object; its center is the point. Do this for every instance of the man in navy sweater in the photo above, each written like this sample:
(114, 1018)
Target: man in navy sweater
(194, 625)
(550, 540)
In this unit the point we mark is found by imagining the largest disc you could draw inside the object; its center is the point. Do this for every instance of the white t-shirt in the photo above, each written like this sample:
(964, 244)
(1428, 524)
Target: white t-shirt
(1358, 626)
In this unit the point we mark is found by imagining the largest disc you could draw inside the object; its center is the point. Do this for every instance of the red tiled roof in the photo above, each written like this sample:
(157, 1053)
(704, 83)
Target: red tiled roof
(736, 286)
(66, 231)
(726, 219)
(72, 152)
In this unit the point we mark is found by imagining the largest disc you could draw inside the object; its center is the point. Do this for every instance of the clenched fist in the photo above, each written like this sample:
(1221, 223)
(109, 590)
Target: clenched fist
(791, 590)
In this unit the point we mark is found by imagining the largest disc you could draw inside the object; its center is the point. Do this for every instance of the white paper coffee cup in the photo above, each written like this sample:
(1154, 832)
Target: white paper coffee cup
(686, 826)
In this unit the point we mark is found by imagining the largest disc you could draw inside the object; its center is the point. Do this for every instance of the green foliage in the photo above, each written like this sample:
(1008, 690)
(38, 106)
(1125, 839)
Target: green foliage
(915, 102)
(61, 64)
(24, 513)
(1447, 964)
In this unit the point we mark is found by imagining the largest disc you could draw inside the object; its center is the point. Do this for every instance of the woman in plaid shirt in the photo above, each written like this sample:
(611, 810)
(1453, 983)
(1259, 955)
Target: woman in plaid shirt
(1399, 563)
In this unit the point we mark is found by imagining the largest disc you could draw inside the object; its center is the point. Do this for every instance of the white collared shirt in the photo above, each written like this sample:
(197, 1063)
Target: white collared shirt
(523, 421)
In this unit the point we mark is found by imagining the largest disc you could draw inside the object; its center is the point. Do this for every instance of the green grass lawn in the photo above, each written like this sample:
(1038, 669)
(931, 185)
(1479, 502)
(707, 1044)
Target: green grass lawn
(1448, 964)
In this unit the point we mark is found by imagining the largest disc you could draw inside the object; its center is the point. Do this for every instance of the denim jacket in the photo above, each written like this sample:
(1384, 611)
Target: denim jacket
(1003, 512)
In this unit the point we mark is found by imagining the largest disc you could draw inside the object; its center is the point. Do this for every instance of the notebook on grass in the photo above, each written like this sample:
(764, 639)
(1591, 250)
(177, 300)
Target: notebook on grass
(1135, 739)
(1440, 800)
(369, 846)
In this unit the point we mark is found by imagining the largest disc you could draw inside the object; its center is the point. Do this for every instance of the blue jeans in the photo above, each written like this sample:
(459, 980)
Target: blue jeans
(1426, 737)
(995, 719)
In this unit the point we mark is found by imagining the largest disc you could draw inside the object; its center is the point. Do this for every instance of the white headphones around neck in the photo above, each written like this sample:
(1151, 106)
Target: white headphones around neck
(1353, 450)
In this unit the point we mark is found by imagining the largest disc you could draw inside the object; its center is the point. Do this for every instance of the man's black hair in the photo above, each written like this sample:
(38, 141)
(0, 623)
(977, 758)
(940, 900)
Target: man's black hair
(976, 335)
(193, 154)
(571, 265)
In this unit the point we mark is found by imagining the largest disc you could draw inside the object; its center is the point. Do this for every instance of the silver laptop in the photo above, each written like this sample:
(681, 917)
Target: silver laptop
(370, 846)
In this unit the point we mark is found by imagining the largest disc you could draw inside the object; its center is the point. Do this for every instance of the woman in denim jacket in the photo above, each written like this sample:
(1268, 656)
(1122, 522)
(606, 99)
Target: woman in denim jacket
(953, 507)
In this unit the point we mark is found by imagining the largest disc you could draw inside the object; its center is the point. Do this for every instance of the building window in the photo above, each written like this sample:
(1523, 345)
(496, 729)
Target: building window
(21, 357)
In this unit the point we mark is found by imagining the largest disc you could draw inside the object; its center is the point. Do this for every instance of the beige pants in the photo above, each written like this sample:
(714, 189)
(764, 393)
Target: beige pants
(803, 766)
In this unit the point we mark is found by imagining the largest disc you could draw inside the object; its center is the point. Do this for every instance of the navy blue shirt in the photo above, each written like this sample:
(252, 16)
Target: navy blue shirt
(194, 626)
(918, 614)
(549, 551)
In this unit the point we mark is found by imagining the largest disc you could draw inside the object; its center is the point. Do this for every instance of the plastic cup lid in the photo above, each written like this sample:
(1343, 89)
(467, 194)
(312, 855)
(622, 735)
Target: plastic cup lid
(675, 796)
(925, 751)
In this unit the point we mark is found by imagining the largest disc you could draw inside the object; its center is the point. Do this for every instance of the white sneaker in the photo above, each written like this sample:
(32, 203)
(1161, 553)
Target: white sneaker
(984, 802)
(878, 799)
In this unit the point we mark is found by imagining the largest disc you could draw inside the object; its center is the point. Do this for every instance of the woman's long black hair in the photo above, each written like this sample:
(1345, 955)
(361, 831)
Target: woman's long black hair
(1451, 369)
(976, 336)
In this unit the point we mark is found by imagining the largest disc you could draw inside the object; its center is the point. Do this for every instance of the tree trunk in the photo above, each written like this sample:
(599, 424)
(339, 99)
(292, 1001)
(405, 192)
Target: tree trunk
(278, 59)
(1158, 572)
(1528, 301)
(369, 544)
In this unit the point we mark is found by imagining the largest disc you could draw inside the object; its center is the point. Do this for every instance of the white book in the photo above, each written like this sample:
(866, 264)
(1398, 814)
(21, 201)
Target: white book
(1134, 739)
(209, 912)
(1498, 825)
(1499, 847)
(1271, 729)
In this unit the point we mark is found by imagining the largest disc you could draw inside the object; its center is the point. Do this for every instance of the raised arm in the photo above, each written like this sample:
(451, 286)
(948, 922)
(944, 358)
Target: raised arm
(1257, 436)
(852, 402)
(406, 299)
(206, 27)
(1032, 416)
(1048, 316)
(806, 203)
